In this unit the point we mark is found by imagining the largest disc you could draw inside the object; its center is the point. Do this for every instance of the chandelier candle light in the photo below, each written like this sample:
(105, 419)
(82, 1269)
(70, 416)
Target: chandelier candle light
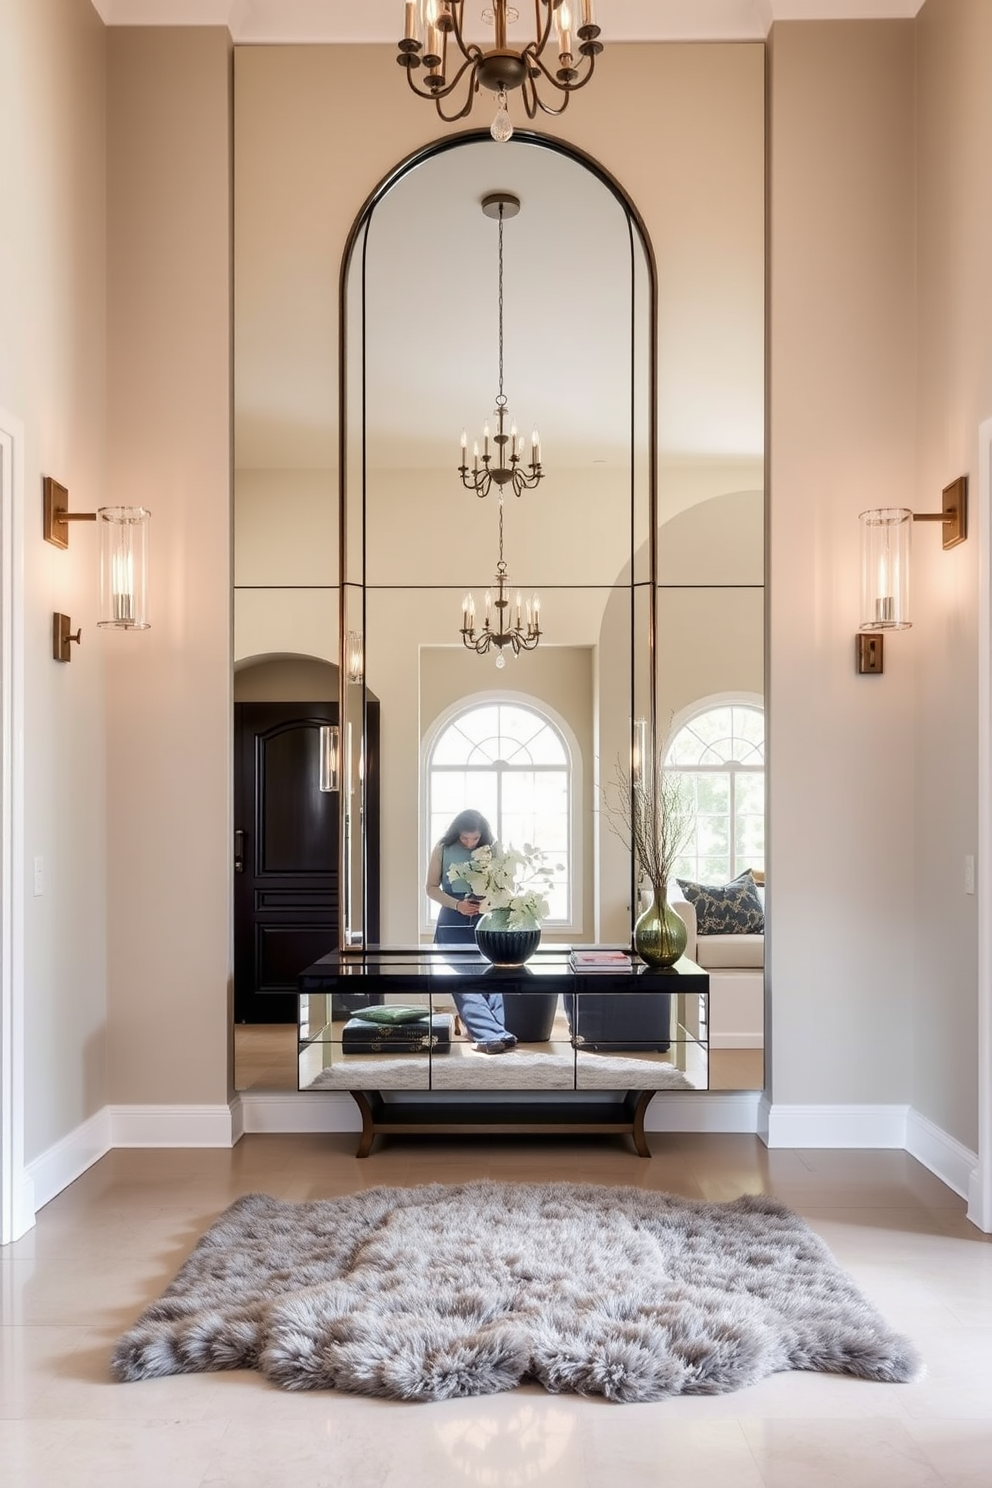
(501, 462)
(497, 630)
(560, 55)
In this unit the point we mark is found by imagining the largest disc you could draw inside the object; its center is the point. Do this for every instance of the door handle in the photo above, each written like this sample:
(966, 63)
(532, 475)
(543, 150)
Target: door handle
(239, 851)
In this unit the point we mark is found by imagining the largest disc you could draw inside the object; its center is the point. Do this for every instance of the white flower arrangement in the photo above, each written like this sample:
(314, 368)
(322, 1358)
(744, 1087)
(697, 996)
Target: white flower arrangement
(504, 879)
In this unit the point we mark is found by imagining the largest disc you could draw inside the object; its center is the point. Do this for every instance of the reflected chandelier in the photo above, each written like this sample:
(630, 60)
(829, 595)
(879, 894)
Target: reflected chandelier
(497, 631)
(505, 466)
(433, 38)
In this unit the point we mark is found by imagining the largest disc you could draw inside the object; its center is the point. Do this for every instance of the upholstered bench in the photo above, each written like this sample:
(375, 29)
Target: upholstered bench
(735, 963)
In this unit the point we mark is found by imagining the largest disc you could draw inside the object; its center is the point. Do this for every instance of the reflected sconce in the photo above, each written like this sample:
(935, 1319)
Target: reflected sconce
(640, 763)
(885, 548)
(122, 533)
(330, 757)
(355, 657)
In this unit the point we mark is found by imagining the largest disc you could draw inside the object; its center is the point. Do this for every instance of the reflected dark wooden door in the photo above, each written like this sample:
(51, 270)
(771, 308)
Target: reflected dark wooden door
(286, 855)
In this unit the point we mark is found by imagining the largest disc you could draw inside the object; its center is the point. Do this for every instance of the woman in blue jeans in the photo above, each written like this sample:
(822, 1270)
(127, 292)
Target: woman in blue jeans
(481, 1012)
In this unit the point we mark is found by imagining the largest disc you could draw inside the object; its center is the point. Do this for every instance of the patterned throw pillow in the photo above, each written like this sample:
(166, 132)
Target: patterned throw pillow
(727, 909)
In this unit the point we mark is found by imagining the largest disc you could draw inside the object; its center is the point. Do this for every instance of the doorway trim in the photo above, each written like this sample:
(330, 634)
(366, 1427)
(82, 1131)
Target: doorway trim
(16, 1190)
(980, 1187)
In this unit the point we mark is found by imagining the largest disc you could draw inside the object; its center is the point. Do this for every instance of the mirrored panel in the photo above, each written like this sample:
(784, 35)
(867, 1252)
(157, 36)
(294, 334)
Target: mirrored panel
(359, 547)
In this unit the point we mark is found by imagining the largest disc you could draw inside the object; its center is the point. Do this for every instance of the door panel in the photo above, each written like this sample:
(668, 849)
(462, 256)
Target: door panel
(286, 895)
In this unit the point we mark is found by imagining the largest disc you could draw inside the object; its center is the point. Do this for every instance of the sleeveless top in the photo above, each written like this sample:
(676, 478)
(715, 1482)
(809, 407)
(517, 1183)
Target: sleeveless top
(456, 853)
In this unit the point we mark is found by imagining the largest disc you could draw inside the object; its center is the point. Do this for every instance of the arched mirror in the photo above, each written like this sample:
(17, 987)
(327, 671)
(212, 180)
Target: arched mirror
(646, 556)
(564, 316)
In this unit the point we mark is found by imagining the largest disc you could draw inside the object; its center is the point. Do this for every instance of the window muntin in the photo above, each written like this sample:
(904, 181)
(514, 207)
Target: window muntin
(720, 754)
(512, 764)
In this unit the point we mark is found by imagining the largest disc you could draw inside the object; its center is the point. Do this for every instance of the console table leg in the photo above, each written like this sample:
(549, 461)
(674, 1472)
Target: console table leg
(368, 1123)
(637, 1132)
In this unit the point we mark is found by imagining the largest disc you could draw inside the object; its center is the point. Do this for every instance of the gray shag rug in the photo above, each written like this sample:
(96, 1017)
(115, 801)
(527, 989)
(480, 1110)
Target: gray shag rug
(441, 1291)
(517, 1069)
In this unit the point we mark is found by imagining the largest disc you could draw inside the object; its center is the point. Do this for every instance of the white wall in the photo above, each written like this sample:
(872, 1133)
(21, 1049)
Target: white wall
(52, 377)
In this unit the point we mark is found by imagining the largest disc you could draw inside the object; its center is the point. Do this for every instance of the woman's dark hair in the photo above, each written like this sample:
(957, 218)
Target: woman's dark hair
(468, 821)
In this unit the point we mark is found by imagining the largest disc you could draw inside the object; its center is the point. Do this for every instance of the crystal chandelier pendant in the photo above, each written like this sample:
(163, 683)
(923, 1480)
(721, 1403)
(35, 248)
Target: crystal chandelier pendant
(500, 661)
(501, 128)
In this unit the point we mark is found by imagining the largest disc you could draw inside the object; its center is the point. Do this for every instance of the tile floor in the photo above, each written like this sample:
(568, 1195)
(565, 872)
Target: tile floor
(108, 1245)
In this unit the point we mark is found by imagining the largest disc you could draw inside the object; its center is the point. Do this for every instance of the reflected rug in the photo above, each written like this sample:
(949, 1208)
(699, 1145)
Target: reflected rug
(517, 1069)
(441, 1291)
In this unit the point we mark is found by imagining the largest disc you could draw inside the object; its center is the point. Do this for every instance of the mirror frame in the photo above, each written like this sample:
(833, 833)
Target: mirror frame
(350, 937)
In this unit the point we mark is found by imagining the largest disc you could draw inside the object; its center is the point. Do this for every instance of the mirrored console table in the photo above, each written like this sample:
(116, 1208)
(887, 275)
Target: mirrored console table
(592, 1047)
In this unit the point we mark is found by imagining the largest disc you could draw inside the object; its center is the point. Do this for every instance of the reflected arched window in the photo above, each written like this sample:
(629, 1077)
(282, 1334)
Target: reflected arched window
(720, 753)
(510, 762)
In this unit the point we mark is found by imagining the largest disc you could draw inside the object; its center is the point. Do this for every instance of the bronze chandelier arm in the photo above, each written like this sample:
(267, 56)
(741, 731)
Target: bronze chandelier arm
(438, 93)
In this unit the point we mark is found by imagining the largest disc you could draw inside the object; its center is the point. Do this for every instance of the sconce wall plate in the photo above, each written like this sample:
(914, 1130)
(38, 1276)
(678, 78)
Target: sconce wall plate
(953, 513)
(57, 515)
(870, 653)
(62, 637)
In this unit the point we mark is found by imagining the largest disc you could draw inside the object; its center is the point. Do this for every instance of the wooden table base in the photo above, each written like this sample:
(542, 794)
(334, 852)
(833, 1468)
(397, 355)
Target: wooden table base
(474, 1117)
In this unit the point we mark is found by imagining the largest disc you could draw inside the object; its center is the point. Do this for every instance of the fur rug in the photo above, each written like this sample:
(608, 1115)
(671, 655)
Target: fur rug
(434, 1292)
(518, 1069)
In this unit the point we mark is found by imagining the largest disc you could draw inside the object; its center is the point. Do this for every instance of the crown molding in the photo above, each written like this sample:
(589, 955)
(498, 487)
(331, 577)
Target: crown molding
(344, 21)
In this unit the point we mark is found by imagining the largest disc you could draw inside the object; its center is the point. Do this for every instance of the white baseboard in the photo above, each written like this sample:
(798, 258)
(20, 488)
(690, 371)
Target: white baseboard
(736, 1041)
(69, 1158)
(288, 1112)
(946, 1157)
(328, 1111)
(832, 1126)
(708, 1111)
(172, 1126)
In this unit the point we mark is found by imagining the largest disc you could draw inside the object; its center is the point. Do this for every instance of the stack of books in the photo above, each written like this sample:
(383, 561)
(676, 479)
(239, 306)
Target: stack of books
(594, 960)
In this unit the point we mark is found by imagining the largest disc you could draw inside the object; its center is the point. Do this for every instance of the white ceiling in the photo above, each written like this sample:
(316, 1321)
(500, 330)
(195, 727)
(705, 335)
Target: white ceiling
(379, 20)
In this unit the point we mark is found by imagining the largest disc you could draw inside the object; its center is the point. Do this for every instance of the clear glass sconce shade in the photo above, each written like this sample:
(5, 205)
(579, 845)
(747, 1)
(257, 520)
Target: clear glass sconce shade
(885, 535)
(330, 757)
(123, 536)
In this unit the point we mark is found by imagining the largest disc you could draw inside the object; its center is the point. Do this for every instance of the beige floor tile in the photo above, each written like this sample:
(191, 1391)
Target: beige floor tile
(108, 1245)
(960, 1450)
(646, 1445)
(814, 1453)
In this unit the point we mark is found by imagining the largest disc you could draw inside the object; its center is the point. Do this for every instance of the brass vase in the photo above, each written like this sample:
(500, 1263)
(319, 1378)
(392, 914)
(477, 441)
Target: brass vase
(659, 933)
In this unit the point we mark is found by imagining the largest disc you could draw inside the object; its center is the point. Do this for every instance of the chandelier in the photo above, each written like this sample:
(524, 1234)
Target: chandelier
(434, 39)
(507, 622)
(504, 466)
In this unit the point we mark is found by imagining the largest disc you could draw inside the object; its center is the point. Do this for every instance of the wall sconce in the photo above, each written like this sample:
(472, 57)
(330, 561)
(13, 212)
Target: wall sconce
(122, 533)
(355, 657)
(330, 757)
(885, 543)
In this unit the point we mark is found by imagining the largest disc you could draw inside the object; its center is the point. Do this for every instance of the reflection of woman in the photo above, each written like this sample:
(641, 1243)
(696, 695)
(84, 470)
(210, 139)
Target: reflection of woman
(481, 1012)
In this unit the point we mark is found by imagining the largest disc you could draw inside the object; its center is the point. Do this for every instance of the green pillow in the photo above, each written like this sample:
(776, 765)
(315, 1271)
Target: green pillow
(393, 1013)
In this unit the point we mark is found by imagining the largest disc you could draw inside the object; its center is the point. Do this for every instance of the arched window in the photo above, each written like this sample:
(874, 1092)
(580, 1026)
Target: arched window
(719, 750)
(510, 762)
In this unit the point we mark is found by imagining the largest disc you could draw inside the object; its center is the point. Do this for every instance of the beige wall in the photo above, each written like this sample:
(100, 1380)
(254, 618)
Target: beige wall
(842, 920)
(52, 352)
(872, 779)
(954, 393)
(169, 700)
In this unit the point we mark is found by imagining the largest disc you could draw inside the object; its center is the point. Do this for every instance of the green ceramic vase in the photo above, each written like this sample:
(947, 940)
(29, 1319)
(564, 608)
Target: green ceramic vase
(659, 933)
(501, 945)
